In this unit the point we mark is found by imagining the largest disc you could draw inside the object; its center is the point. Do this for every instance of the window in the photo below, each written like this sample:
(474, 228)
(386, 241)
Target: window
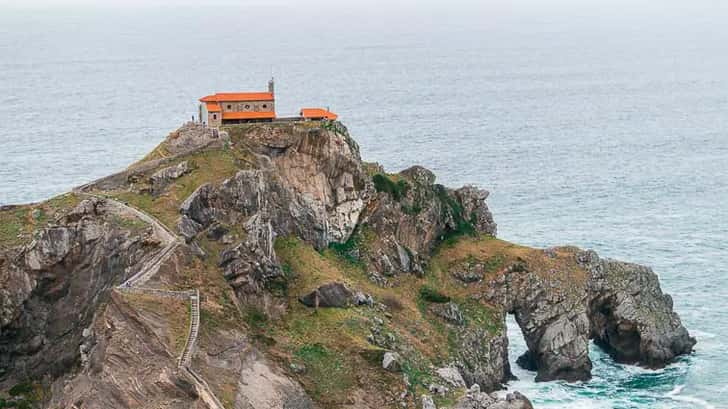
(214, 116)
(265, 105)
(230, 106)
(247, 106)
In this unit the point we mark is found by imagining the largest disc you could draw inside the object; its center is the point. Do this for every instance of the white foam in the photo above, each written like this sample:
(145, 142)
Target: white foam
(675, 395)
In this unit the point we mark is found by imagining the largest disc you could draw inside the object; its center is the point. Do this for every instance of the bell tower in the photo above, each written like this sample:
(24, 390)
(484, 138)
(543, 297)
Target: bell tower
(271, 86)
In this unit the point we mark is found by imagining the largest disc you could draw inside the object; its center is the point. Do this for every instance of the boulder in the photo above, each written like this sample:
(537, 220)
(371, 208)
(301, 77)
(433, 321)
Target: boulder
(427, 402)
(392, 362)
(451, 375)
(163, 177)
(336, 295)
(474, 399)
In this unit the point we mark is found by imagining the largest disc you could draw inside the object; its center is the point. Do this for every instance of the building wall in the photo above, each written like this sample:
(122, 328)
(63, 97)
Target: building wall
(214, 119)
(248, 106)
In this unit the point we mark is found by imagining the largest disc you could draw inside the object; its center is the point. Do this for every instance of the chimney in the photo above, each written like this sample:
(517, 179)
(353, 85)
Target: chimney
(271, 86)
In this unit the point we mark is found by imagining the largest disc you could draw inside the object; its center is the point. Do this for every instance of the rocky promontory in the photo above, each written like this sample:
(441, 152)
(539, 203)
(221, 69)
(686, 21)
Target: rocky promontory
(268, 266)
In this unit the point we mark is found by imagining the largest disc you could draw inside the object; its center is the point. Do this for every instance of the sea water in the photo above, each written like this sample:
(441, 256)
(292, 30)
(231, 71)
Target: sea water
(602, 125)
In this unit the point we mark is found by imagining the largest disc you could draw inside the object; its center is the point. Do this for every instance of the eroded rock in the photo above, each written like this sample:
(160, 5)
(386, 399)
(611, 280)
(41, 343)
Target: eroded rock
(630, 316)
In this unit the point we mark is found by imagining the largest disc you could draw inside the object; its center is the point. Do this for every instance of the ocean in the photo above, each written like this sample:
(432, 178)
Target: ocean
(597, 124)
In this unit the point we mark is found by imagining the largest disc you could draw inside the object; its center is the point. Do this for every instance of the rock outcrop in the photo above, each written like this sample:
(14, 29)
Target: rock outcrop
(475, 399)
(630, 316)
(52, 288)
(618, 305)
(294, 219)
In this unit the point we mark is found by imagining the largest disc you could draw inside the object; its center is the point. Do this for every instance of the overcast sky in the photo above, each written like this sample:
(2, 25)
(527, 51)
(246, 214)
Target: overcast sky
(399, 14)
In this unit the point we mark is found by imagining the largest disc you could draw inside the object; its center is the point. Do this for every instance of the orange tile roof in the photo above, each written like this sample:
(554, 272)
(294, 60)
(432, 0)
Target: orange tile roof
(318, 113)
(249, 115)
(213, 107)
(238, 96)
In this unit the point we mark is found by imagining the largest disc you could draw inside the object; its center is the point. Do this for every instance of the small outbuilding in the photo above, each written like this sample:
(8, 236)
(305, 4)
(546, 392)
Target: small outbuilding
(317, 114)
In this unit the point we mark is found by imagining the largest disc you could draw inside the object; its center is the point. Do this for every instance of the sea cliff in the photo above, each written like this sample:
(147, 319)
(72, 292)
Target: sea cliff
(269, 266)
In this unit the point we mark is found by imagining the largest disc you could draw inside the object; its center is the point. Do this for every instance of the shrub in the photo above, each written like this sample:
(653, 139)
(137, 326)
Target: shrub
(463, 227)
(352, 249)
(384, 183)
(255, 319)
(430, 294)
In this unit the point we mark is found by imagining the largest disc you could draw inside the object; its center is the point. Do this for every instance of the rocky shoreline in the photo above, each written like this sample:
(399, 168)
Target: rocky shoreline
(325, 282)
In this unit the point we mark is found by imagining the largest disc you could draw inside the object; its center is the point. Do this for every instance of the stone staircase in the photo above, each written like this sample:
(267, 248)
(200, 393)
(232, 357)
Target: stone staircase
(149, 269)
(186, 357)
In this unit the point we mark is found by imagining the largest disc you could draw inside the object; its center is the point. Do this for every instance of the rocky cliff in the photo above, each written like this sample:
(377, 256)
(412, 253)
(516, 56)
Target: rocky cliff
(323, 281)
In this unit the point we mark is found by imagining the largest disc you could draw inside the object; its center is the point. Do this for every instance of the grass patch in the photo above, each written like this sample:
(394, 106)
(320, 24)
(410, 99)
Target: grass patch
(12, 223)
(17, 223)
(384, 183)
(168, 317)
(210, 166)
(494, 263)
(129, 223)
(328, 374)
(255, 319)
(480, 316)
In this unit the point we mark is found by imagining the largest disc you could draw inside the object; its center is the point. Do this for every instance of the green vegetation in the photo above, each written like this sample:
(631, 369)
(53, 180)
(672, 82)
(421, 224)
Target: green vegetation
(210, 166)
(384, 183)
(353, 249)
(12, 223)
(430, 294)
(494, 263)
(463, 227)
(17, 223)
(418, 373)
(255, 319)
(24, 395)
(330, 377)
(480, 316)
(172, 317)
(129, 223)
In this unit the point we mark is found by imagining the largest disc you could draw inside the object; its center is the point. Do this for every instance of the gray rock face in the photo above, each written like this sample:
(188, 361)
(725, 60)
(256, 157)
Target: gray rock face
(472, 199)
(392, 362)
(451, 375)
(475, 399)
(555, 325)
(307, 183)
(450, 312)
(630, 316)
(409, 227)
(483, 358)
(323, 170)
(619, 305)
(51, 290)
(188, 228)
(335, 295)
(163, 177)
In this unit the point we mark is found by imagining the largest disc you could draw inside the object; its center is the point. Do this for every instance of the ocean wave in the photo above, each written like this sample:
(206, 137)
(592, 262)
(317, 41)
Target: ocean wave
(675, 395)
